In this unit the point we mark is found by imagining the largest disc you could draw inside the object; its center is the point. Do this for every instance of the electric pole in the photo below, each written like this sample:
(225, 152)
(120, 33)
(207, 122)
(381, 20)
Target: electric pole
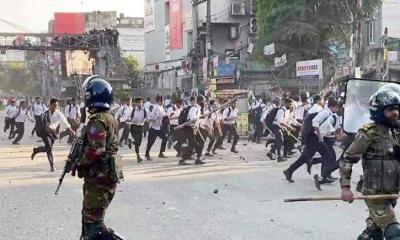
(385, 75)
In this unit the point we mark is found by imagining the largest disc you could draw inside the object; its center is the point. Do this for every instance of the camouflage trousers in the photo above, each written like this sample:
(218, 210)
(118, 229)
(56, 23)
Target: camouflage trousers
(96, 198)
(382, 212)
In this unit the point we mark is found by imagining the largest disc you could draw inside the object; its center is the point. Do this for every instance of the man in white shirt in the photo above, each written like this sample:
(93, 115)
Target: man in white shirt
(277, 127)
(123, 115)
(11, 111)
(137, 120)
(229, 116)
(208, 123)
(47, 129)
(38, 109)
(173, 113)
(20, 117)
(156, 128)
(73, 114)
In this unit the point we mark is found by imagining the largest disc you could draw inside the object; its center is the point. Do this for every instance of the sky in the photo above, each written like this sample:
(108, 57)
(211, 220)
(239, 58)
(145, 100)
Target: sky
(34, 15)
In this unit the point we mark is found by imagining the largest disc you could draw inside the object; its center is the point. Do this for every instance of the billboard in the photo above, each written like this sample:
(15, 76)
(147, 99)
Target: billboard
(176, 24)
(79, 62)
(131, 39)
(69, 23)
(149, 15)
(310, 68)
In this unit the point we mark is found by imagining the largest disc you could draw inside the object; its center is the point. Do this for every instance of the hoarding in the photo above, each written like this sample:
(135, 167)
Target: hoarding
(69, 23)
(131, 39)
(310, 68)
(149, 15)
(176, 24)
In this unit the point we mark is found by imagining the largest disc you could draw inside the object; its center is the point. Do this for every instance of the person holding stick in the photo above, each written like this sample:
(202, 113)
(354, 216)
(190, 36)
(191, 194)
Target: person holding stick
(377, 144)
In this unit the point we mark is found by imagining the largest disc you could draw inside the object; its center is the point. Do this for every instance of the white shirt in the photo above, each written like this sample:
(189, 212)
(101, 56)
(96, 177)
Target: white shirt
(265, 111)
(208, 121)
(325, 121)
(124, 113)
(11, 111)
(56, 119)
(138, 116)
(72, 112)
(157, 115)
(279, 117)
(21, 115)
(229, 115)
(193, 115)
(174, 115)
(147, 105)
(315, 109)
(39, 109)
(299, 111)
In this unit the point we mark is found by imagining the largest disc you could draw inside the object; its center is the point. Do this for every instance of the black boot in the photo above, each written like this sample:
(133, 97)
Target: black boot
(34, 152)
(288, 176)
(199, 162)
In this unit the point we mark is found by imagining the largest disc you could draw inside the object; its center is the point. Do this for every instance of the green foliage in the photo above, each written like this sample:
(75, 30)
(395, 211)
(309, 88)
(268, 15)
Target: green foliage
(15, 77)
(133, 70)
(307, 29)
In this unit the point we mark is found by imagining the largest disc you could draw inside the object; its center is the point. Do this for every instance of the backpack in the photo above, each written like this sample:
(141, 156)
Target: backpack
(271, 116)
(133, 113)
(308, 129)
(257, 113)
(184, 115)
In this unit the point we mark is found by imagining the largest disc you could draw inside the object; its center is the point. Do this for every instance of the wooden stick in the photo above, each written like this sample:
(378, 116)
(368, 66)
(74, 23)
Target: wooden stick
(363, 197)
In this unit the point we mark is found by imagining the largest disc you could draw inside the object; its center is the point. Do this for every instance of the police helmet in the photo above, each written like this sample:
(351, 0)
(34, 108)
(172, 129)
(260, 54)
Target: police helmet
(98, 93)
(386, 96)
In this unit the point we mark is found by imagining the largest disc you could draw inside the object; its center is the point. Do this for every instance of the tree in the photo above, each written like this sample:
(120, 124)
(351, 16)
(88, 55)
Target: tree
(307, 29)
(133, 70)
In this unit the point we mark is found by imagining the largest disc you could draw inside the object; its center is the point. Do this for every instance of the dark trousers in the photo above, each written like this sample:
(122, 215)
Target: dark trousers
(310, 148)
(9, 123)
(278, 142)
(20, 130)
(47, 148)
(153, 134)
(212, 138)
(258, 131)
(195, 139)
(230, 129)
(125, 131)
(37, 120)
(74, 126)
(137, 134)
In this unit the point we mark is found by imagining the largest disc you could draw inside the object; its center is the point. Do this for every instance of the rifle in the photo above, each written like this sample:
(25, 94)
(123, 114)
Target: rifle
(363, 197)
(75, 153)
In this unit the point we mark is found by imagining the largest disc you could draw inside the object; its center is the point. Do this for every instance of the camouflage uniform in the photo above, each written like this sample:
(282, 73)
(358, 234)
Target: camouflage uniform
(375, 144)
(99, 187)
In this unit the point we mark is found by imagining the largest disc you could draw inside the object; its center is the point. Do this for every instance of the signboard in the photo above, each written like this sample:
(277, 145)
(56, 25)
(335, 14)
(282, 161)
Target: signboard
(176, 24)
(167, 44)
(131, 39)
(310, 68)
(149, 15)
(280, 61)
(69, 23)
(392, 56)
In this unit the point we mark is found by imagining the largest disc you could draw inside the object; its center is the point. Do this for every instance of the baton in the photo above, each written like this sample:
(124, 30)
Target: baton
(362, 197)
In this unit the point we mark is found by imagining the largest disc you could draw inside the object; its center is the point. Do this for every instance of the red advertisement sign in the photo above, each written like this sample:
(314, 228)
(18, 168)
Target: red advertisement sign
(69, 23)
(176, 24)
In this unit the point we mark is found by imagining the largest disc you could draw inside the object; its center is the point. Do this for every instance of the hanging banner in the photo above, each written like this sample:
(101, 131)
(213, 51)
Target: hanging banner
(310, 68)
(176, 24)
(280, 61)
(148, 15)
(269, 49)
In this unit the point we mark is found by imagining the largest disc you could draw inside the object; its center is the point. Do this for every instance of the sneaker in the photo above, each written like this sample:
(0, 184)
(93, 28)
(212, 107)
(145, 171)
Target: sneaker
(183, 163)
(199, 162)
(16, 143)
(148, 158)
(317, 182)
(138, 158)
(214, 152)
(234, 150)
(221, 147)
(208, 154)
(288, 176)
(34, 152)
(161, 155)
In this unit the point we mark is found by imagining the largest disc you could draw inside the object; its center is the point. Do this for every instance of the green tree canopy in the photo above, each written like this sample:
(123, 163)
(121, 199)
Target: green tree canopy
(133, 70)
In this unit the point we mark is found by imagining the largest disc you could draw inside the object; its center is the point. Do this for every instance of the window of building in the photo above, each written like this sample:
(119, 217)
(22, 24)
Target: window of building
(371, 33)
(166, 13)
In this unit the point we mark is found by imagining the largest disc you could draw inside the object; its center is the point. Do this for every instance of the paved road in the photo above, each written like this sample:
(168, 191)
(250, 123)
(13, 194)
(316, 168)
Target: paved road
(160, 200)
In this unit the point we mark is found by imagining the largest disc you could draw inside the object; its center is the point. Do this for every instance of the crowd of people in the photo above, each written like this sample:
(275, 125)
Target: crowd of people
(289, 124)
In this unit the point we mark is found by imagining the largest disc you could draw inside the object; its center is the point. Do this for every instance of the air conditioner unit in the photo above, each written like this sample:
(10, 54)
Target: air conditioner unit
(238, 9)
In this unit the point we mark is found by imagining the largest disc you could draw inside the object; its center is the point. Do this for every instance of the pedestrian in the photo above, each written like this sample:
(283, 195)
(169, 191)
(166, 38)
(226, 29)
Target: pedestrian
(137, 119)
(229, 117)
(38, 109)
(9, 121)
(156, 129)
(122, 116)
(173, 114)
(73, 114)
(377, 145)
(20, 117)
(47, 130)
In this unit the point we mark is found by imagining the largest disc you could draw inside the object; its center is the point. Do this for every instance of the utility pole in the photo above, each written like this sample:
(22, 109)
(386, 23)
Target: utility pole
(209, 44)
(385, 75)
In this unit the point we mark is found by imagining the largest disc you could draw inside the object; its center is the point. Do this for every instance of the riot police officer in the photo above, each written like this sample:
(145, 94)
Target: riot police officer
(376, 144)
(100, 163)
